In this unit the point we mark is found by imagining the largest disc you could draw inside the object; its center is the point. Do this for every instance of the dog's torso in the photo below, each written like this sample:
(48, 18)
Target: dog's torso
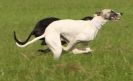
(71, 29)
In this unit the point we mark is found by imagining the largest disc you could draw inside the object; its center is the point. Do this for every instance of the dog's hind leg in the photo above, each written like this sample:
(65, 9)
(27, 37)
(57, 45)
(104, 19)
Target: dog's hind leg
(54, 43)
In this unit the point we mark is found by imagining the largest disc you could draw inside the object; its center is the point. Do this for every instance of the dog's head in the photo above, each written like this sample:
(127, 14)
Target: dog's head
(109, 14)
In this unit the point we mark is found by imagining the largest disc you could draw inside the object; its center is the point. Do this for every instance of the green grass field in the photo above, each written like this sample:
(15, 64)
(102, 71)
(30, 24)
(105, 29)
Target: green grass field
(112, 59)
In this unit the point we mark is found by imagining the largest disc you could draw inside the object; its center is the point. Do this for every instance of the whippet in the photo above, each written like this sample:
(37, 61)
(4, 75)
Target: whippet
(74, 31)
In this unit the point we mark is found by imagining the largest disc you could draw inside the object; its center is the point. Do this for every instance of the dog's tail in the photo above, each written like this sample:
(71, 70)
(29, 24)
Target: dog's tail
(19, 42)
(30, 42)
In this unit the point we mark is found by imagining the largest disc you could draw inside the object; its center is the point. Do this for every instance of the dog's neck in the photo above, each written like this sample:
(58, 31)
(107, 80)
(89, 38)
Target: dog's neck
(98, 21)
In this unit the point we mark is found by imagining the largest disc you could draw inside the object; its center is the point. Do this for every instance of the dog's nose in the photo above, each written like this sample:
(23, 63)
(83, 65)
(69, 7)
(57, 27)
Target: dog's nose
(121, 13)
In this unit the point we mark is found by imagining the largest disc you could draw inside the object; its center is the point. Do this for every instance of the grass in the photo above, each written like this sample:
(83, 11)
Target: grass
(112, 59)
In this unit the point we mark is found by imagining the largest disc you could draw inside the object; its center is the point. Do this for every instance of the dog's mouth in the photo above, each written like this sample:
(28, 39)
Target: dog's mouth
(115, 16)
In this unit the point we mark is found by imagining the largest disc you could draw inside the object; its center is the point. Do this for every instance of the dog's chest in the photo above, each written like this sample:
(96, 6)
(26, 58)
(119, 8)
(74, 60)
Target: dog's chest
(88, 34)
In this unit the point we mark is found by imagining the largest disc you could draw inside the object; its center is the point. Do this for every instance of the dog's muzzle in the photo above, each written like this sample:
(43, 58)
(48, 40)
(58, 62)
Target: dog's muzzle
(115, 16)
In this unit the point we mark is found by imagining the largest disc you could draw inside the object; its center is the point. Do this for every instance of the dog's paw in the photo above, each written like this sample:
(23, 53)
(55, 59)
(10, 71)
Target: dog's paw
(65, 48)
(79, 51)
(75, 51)
(88, 50)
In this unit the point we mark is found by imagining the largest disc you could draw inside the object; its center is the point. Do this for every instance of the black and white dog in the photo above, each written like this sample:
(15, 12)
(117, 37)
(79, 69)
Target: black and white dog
(40, 29)
(74, 31)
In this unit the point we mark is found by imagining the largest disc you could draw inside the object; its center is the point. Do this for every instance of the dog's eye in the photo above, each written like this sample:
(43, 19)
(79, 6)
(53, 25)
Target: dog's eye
(112, 11)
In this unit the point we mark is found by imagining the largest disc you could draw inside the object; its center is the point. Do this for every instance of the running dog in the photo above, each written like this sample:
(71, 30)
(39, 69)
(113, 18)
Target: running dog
(75, 31)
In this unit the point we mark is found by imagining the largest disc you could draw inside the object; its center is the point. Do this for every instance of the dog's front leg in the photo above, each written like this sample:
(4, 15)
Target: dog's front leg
(84, 48)
(79, 51)
(70, 45)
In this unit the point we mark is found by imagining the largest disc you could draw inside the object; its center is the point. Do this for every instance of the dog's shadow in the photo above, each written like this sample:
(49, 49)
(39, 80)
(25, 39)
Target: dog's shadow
(46, 51)
(43, 50)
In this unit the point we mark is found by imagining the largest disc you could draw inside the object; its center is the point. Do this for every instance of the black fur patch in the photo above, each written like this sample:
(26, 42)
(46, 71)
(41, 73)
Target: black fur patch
(42, 24)
(87, 18)
(38, 30)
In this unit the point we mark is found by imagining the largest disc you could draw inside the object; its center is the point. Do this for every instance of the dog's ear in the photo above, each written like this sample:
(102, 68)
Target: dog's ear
(98, 13)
